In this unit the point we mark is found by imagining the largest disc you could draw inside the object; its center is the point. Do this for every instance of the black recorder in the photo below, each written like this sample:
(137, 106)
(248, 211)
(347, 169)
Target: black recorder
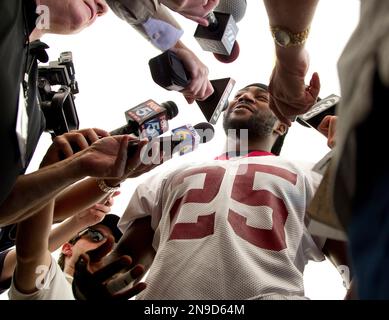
(57, 86)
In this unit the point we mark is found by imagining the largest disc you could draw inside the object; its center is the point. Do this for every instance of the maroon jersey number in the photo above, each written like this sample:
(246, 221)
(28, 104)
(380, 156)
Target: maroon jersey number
(243, 192)
(205, 223)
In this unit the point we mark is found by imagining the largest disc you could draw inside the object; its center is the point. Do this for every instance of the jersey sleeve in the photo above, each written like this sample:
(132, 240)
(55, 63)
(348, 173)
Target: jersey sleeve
(314, 244)
(146, 201)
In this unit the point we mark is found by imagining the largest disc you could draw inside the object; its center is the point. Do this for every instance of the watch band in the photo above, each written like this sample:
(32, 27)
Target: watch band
(285, 38)
(106, 188)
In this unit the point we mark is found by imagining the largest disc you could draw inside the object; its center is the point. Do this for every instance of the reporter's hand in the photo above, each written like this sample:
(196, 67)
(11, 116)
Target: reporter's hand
(327, 127)
(146, 157)
(94, 214)
(93, 279)
(105, 158)
(289, 96)
(194, 10)
(69, 143)
(200, 88)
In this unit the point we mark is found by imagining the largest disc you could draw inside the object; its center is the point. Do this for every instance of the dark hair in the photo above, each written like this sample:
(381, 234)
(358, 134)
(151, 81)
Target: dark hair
(259, 85)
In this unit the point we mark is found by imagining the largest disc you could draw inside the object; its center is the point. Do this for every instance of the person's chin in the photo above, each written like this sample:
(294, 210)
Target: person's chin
(240, 116)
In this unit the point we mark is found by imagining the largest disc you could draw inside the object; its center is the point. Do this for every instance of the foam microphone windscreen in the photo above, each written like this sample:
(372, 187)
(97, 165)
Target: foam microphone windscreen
(171, 109)
(205, 131)
(237, 8)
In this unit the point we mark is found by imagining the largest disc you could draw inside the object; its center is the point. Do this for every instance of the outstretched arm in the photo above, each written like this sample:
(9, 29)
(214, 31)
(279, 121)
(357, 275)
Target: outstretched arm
(157, 25)
(32, 254)
(105, 158)
(337, 252)
(78, 222)
(137, 243)
(199, 88)
(194, 10)
(288, 92)
(61, 234)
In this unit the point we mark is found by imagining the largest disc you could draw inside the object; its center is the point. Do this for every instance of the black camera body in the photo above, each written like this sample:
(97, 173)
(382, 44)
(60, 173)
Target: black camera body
(58, 106)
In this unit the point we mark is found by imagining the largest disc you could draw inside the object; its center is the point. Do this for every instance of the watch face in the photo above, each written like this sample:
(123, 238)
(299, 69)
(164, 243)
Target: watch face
(282, 37)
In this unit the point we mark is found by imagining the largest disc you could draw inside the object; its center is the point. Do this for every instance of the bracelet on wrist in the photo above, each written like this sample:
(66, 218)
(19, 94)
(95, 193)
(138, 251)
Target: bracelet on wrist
(102, 184)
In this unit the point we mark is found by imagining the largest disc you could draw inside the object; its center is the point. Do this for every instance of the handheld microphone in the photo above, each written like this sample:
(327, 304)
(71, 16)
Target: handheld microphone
(168, 71)
(220, 35)
(184, 139)
(148, 119)
(316, 114)
(235, 7)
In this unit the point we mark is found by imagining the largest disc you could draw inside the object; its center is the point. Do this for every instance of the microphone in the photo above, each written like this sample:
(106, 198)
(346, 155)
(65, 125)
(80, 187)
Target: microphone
(235, 7)
(183, 140)
(148, 119)
(220, 35)
(186, 138)
(316, 114)
(168, 71)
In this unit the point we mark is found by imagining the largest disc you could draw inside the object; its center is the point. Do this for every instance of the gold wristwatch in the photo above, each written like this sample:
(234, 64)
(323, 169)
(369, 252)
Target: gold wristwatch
(285, 38)
(106, 188)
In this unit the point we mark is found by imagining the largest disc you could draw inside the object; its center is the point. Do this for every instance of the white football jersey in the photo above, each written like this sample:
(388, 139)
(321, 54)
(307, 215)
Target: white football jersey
(228, 229)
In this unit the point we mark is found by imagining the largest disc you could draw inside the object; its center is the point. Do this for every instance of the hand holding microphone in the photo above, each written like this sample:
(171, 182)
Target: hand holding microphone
(219, 36)
(198, 86)
(314, 116)
(322, 118)
(169, 72)
(148, 119)
(183, 140)
(193, 10)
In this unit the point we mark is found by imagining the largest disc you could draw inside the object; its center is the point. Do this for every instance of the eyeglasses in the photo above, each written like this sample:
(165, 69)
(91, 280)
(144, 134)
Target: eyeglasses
(92, 234)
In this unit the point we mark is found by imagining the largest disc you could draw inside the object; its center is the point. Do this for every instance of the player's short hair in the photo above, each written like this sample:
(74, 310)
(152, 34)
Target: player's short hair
(277, 146)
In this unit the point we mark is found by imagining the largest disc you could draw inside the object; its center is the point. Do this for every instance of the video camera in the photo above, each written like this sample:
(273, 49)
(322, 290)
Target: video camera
(58, 106)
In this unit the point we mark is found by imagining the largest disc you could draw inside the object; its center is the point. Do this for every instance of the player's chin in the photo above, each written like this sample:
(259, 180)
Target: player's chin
(239, 117)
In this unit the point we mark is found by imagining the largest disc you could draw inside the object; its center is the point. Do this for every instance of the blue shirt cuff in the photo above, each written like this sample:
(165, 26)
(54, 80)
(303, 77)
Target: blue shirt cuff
(162, 34)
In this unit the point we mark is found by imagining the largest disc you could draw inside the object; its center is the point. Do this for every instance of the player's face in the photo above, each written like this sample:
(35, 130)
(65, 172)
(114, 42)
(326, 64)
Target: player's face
(72, 16)
(250, 110)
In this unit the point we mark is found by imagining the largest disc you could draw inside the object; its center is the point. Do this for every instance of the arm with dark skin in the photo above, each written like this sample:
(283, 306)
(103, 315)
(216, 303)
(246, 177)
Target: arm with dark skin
(134, 252)
(137, 243)
(337, 252)
(289, 96)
